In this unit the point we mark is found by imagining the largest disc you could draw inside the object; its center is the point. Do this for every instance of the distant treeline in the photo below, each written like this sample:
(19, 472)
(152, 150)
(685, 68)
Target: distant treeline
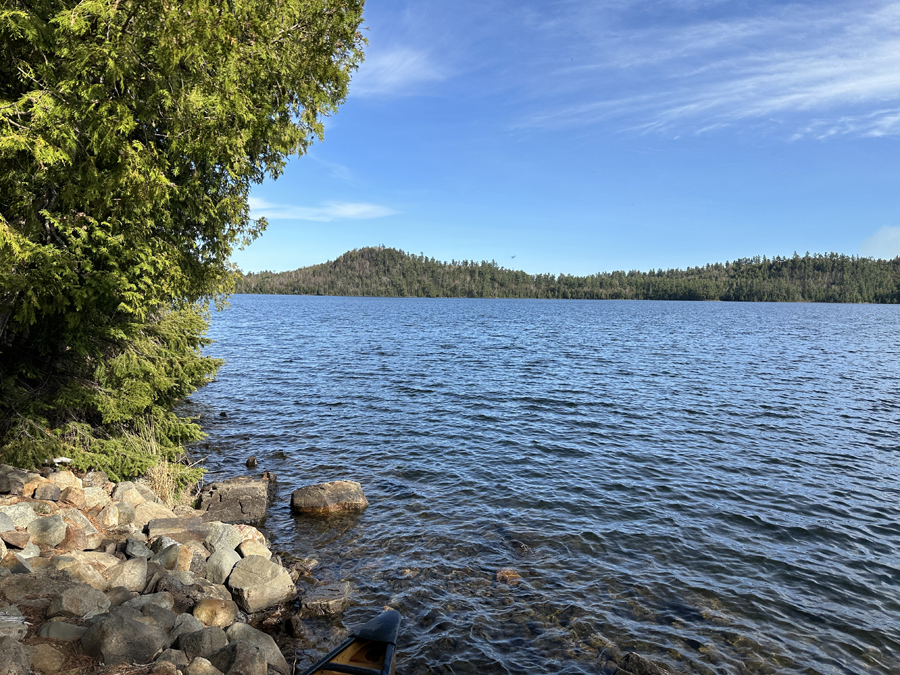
(387, 272)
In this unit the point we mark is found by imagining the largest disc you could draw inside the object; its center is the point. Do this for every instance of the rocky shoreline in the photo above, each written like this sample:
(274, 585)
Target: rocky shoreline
(96, 576)
(101, 577)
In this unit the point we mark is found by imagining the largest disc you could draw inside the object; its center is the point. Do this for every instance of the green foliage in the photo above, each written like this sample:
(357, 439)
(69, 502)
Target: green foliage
(386, 272)
(130, 135)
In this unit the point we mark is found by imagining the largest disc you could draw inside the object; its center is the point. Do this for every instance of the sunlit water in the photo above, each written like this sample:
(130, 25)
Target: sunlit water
(712, 485)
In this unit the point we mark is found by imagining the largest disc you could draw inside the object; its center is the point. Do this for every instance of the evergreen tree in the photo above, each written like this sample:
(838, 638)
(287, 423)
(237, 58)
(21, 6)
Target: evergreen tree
(131, 132)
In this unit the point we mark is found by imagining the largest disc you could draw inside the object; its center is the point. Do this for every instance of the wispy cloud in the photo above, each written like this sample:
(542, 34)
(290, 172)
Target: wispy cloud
(327, 212)
(396, 71)
(818, 70)
(884, 244)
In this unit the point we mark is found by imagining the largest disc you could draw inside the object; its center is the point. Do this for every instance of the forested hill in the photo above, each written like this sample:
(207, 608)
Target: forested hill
(387, 272)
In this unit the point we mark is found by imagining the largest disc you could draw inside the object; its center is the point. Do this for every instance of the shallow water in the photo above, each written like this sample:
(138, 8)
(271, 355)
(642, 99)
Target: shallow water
(712, 485)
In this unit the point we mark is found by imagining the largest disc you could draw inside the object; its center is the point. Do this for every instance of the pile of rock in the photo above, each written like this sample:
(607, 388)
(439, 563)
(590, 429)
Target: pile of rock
(113, 572)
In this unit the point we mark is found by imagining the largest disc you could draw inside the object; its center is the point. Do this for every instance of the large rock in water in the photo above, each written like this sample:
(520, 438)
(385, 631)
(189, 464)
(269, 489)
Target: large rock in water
(257, 583)
(241, 500)
(339, 495)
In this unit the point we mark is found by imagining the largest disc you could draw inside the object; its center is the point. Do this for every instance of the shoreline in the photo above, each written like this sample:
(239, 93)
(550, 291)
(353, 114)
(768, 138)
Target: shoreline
(103, 575)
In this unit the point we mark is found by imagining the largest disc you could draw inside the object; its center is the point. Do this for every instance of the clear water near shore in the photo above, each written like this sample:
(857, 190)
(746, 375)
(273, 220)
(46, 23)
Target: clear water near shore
(714, 486)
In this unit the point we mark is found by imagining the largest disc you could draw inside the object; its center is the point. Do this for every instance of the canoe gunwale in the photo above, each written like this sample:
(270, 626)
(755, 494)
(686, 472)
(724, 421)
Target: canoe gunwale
(386, 626)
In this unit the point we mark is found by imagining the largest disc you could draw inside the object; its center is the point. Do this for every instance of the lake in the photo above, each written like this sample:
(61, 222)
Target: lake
(712, 485)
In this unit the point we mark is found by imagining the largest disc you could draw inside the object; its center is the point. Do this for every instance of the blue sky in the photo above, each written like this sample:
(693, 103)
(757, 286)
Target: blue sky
(577, 137)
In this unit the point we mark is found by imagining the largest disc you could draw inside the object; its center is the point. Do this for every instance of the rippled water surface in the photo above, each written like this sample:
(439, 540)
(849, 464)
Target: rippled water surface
(712, 485)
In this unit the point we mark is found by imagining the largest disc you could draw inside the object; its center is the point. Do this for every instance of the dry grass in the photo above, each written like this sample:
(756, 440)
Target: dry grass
(161, 479)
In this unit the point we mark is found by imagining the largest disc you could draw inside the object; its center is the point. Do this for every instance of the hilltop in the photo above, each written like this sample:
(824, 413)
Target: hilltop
(388, 272)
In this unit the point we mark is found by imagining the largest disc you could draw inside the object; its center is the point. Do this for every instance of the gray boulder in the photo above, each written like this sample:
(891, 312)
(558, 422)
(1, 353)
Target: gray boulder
(131, 574)
(47, 531)
(79, 601)
(237, 500)
(116, 639)
(6, 523)
(135, 548)
(324, 498)
(203, 642)
(220, 564)
(13, 479)
(48, 492)
(223, 537)
(20, 514)
(240, 658)
(242, 632)
(184, 623)
(126, 512)
(257, 583)
(162, 599)
(158, 616)
(15, 659)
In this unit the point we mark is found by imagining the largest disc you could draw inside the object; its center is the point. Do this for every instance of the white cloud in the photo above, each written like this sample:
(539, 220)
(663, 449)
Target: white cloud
(395, 71)
(884, 244)
(327, 212)
(820, 69)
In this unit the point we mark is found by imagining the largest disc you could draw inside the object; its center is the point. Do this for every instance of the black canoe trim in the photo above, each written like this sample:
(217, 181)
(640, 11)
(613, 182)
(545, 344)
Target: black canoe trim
(383, 628)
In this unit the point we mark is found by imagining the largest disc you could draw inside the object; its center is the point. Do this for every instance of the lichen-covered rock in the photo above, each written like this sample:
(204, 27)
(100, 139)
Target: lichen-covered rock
(20, 514)
(257, 583)
(94, 479)
(65, 479)
(237, 500)
(80, 602)
(324, 498)
(47, 531)
(95, 498)
(242, 632)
